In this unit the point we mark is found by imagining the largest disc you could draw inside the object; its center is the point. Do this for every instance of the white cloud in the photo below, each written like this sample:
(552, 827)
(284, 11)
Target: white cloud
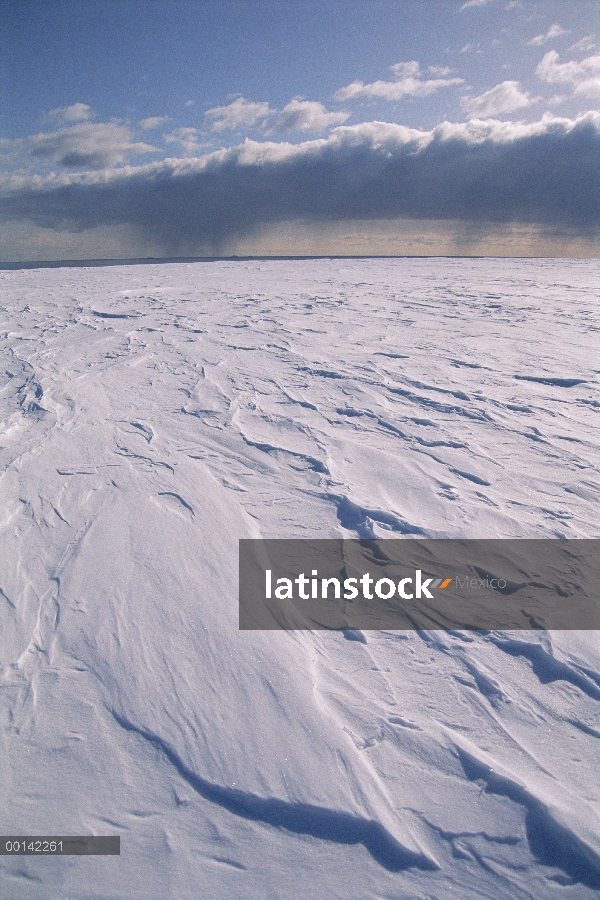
(152, 123)
(78, 112)
(554, 31)
(584, 45)
(409, 83)
(87, 146)
(504, 98)
(307, 115)
(440, 71)
(474, 3)
(589, 88)
(187, 138)
(583, 76)
(297, 115)
(239, 112)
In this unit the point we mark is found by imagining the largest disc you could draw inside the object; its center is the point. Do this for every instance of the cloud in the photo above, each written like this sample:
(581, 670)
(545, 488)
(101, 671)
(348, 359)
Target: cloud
(471, 3)
(504, 98)
(87, 146)
(152, 123)
(583, 76)
(584, 45)
(298, 115)
(307, 115)
(479, 172)
(239, 112)
(79, 112)
(187, 138)
(409, 83)
(554, 31)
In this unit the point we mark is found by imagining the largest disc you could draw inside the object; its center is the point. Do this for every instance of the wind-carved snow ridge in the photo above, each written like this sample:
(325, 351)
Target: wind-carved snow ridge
(21, 397)
(353, 517)
(559, 833)
(300, 818)
(150, 416)
(547, 667)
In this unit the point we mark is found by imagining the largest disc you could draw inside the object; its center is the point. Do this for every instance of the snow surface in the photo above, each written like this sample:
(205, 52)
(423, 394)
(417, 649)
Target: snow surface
(152, 415)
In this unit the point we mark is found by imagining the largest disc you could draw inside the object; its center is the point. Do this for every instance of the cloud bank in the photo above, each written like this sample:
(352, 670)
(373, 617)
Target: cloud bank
(480, 173)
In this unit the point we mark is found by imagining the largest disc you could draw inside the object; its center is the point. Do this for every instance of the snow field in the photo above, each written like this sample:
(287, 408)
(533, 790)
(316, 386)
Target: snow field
(153, 415)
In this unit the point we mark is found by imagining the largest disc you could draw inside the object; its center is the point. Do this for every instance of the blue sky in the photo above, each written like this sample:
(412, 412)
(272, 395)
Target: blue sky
(218, 126)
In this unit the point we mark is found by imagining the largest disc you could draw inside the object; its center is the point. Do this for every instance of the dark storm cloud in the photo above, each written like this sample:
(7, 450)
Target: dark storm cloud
(482, 173)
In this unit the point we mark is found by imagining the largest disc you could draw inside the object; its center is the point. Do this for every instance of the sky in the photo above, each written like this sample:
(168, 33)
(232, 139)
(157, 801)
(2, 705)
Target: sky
(168, 128)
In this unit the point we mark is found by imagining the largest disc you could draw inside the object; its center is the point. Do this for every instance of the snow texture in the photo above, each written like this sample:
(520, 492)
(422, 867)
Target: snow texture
(152, 415)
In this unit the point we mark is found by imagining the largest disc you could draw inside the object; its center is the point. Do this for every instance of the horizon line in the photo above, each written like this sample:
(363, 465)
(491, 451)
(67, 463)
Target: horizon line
(11, 265)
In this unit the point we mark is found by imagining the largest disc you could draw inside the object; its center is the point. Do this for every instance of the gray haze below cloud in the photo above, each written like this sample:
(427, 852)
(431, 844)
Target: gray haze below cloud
(375, 171)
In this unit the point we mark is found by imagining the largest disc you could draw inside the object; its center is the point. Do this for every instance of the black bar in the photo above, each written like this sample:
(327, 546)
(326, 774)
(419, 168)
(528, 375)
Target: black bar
(61, 845)
(419, 584)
